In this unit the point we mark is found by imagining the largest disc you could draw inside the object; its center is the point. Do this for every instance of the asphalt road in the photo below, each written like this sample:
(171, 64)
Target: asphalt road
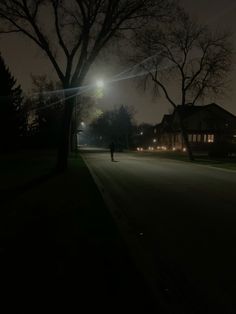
(179, 221)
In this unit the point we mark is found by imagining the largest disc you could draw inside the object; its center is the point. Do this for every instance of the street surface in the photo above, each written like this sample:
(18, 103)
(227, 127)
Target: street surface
(183, 217)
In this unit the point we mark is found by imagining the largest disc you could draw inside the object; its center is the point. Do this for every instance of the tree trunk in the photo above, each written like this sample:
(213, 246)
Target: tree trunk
(127, 141)
(185, 138)
(74, 127)
(63, 150)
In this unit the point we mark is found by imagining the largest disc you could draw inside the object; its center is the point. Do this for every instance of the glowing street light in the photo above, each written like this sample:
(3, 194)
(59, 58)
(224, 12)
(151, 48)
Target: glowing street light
(99, 89)
(100, 84)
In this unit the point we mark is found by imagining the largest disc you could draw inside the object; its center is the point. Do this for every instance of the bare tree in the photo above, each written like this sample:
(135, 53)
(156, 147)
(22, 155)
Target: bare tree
(189, 54)
(76, 31)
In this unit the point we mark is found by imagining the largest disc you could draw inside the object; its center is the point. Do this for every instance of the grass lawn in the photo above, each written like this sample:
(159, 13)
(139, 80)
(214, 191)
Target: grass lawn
(58, 242)
(227, 163)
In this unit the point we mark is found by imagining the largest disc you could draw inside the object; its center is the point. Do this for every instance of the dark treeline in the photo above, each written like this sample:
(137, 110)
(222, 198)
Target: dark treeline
(13, 113)
(28, 122)
(45, 114)
(115, 125)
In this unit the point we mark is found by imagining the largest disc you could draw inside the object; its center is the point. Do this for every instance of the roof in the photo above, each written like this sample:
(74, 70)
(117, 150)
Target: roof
(186, 111)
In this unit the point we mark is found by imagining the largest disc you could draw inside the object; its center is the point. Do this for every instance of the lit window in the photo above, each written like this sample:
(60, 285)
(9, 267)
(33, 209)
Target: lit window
(211, 138)
(199, 138)
(190, 137)
(194, 138)
(205, 138)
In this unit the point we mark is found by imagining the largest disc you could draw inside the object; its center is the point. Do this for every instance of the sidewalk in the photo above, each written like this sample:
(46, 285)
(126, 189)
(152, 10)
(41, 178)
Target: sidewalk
(59, 246)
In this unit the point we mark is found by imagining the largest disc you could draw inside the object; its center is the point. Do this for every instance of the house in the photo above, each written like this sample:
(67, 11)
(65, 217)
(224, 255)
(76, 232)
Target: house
(209, 129)
(142, 135)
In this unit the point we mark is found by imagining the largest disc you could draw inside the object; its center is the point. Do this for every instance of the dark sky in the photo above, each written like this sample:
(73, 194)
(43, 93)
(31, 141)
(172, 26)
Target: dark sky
(24, 58)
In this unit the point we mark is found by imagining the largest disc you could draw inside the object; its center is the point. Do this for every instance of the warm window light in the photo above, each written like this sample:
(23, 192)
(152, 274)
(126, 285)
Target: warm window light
(184, 149)
(211, 138)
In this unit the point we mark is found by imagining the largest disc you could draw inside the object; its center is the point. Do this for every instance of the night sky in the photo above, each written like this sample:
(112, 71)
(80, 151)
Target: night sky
(23, 58)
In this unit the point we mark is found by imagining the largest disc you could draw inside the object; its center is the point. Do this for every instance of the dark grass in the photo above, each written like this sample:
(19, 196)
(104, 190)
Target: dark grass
(223, 163)
(59, 245)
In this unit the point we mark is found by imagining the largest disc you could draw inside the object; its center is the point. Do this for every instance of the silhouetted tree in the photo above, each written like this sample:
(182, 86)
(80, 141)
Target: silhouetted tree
(189, 54)
(116, 125)
(13, 118)
(46, 112)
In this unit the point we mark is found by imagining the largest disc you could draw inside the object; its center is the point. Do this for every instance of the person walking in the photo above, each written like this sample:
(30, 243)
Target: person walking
(112, 150)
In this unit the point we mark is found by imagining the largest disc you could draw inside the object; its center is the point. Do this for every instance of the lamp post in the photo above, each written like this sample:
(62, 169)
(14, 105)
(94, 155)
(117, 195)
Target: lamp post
(99, 88)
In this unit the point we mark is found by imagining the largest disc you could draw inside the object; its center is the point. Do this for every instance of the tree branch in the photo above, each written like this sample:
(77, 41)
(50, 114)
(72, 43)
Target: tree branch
(58, 32)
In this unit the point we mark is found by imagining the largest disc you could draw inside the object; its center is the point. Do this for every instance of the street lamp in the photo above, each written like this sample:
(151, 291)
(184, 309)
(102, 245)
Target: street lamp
(99, 89)
(100, 84)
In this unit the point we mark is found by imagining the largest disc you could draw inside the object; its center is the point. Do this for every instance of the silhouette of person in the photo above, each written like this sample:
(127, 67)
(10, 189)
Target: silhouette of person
(112, 150)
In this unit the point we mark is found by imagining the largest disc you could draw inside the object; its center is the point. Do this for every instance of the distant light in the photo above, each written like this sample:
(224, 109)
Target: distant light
(174, 149)
(141, 133)
(82, 123)
(154, 141)
(139, 149)
(184, 149)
